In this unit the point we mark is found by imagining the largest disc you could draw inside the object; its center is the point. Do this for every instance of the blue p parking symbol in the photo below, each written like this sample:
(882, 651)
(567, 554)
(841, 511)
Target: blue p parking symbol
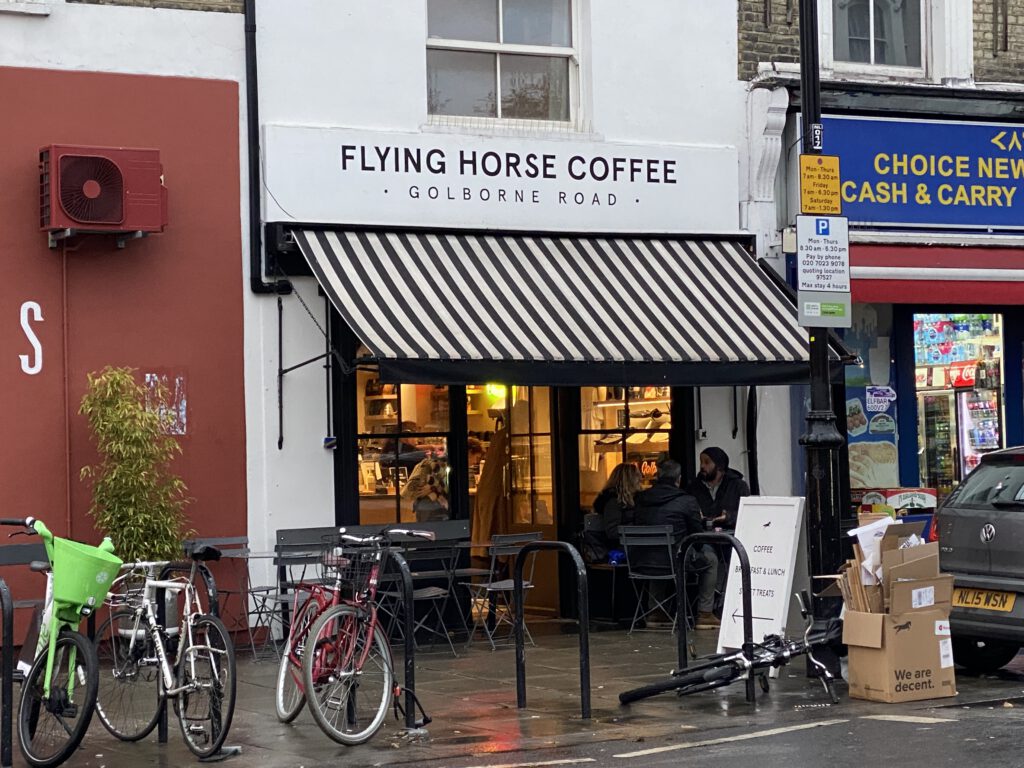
(821, 226)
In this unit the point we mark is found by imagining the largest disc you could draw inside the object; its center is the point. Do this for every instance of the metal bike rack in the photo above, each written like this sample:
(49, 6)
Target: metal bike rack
(748, 622)
(7, 673)
(409, 621)
(161, 619)
(583, 606)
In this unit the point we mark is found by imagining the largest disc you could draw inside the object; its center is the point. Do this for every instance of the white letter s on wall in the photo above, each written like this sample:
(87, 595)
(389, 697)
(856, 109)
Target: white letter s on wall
(36, 312)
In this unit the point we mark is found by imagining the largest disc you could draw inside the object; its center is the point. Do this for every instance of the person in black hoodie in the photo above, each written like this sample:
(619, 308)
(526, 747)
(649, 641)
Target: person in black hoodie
(718, 488)
(665, 503)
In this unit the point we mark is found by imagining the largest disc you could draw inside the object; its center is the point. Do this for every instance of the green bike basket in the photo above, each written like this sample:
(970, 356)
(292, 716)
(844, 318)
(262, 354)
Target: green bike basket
(82, 574)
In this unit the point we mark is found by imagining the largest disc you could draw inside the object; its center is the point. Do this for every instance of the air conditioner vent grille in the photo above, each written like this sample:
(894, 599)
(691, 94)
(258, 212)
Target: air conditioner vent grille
(91, 189)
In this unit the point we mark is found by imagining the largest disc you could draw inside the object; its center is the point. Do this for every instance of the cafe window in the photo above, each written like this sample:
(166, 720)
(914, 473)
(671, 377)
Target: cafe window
(621, 424)
(531, 469)
(402, 450)
(510, 59)
(886, 33)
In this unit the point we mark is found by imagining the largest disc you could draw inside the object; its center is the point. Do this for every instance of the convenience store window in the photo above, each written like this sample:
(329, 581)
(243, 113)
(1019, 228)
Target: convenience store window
(401, 427)
(959, 384)
(621, 424)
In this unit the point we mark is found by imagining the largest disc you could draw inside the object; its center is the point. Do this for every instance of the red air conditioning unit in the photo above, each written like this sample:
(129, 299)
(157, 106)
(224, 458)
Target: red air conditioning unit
(98, 189)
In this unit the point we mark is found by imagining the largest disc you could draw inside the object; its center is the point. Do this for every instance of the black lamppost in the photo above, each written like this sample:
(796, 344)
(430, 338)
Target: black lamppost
(822, 439)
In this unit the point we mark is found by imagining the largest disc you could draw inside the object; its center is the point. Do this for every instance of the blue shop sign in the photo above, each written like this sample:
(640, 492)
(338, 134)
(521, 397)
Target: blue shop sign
(928, 173)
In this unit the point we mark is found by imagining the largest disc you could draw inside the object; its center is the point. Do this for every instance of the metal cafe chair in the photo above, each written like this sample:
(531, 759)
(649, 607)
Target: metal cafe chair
(650, 558)
(492, 599)
(440, 557)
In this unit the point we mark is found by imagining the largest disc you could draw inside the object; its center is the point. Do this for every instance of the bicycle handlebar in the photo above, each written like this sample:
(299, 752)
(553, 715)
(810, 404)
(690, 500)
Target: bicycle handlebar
(24, 522)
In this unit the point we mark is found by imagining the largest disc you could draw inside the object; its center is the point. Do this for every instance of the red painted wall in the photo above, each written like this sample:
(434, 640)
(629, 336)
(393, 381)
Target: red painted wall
(168, 303)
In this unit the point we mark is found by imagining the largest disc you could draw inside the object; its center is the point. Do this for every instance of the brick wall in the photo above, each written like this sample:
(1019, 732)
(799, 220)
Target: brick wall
(767, 35)
(999, 41)
(225, 6)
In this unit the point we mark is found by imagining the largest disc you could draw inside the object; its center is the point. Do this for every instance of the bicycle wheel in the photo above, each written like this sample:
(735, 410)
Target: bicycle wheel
(51, 728)
(347, 694)
(129, 701)
(207, 674)
(688, 682)
(290, 697)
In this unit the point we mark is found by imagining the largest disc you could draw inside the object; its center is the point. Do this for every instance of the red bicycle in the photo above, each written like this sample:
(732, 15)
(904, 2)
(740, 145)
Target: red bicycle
(311, 600)
(347, 671)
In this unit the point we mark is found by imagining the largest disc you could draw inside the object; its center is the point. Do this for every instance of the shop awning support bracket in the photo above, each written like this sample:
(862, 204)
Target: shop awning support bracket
(331, 352)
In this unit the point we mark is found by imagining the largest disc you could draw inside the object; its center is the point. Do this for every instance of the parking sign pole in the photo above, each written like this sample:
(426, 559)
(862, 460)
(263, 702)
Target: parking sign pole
(822, 439)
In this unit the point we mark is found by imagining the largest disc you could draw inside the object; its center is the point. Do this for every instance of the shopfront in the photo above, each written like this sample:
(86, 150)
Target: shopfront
(937, 211)
(500, 375)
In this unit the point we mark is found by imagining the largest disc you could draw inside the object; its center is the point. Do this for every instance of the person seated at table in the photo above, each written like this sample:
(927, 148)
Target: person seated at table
(615, 503)
(665, 503)
(718, 489)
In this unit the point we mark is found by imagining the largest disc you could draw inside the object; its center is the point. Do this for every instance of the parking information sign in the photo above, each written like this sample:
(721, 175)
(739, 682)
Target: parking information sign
(823, 271)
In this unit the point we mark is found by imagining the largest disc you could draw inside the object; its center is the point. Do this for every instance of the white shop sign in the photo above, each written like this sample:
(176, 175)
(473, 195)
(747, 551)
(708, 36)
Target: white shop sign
(346, 176)
(769, 529)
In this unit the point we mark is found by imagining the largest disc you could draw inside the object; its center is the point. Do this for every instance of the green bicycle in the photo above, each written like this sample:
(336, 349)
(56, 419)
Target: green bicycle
(58, 695)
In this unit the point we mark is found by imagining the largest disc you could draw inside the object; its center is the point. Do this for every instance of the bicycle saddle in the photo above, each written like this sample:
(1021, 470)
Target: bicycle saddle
(205, 553)
(39, 566)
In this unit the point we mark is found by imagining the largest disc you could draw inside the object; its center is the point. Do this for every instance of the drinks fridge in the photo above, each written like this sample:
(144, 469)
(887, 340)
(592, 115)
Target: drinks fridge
(957, 426)
(959, 390)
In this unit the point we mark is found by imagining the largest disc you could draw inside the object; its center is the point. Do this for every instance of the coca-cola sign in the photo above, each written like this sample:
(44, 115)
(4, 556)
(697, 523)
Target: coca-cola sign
(962, 375)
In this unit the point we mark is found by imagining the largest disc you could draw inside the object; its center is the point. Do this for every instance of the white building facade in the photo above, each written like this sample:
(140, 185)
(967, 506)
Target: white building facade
(516, 230)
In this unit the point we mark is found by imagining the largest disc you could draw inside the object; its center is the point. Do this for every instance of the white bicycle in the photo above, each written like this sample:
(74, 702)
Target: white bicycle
(137, 674)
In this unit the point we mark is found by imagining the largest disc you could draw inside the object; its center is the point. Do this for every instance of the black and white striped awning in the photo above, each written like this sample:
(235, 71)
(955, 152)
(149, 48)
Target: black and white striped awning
(452, 307)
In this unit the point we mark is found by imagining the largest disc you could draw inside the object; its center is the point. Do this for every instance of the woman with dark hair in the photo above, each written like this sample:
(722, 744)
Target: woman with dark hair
(616, 500)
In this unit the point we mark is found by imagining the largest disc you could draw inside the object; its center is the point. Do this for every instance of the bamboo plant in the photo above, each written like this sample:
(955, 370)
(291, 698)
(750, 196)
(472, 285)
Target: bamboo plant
(136, 498)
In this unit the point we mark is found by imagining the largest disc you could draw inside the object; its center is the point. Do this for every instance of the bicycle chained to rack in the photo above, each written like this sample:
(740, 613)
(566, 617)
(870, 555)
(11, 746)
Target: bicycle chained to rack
(725, 668)
(347, 671)
(58, 695)
(192, 664)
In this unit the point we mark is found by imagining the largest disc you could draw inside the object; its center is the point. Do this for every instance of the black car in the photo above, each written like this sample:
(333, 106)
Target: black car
(981, 542)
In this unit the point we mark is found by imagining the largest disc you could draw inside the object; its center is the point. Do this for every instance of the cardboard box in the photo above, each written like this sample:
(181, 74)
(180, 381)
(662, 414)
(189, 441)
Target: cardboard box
(927, 554)
(921, 594)
(896, 658)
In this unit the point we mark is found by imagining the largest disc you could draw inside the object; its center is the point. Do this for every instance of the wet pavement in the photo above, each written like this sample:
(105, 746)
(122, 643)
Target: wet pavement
(472, 700)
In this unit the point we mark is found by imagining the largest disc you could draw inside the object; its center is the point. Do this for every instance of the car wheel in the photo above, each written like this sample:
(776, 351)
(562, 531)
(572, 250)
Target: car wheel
(979, 656)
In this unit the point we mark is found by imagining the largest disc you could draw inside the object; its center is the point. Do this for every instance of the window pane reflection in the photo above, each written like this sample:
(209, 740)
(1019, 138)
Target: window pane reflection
(463, 20)
(542, 482)
(537, 22)
(424, 408)
(534, 87)
(461, 83)
(621, 424)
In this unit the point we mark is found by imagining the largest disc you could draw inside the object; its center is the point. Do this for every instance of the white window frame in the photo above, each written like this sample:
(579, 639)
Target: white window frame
(572, 54)
(884, 71)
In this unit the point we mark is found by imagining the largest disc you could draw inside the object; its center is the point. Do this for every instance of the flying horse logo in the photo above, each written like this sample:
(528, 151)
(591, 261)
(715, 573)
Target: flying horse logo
(902, 627)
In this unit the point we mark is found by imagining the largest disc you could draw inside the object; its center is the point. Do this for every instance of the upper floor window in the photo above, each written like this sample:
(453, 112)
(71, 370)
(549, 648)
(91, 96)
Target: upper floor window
(513, 59)
(878, 32)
